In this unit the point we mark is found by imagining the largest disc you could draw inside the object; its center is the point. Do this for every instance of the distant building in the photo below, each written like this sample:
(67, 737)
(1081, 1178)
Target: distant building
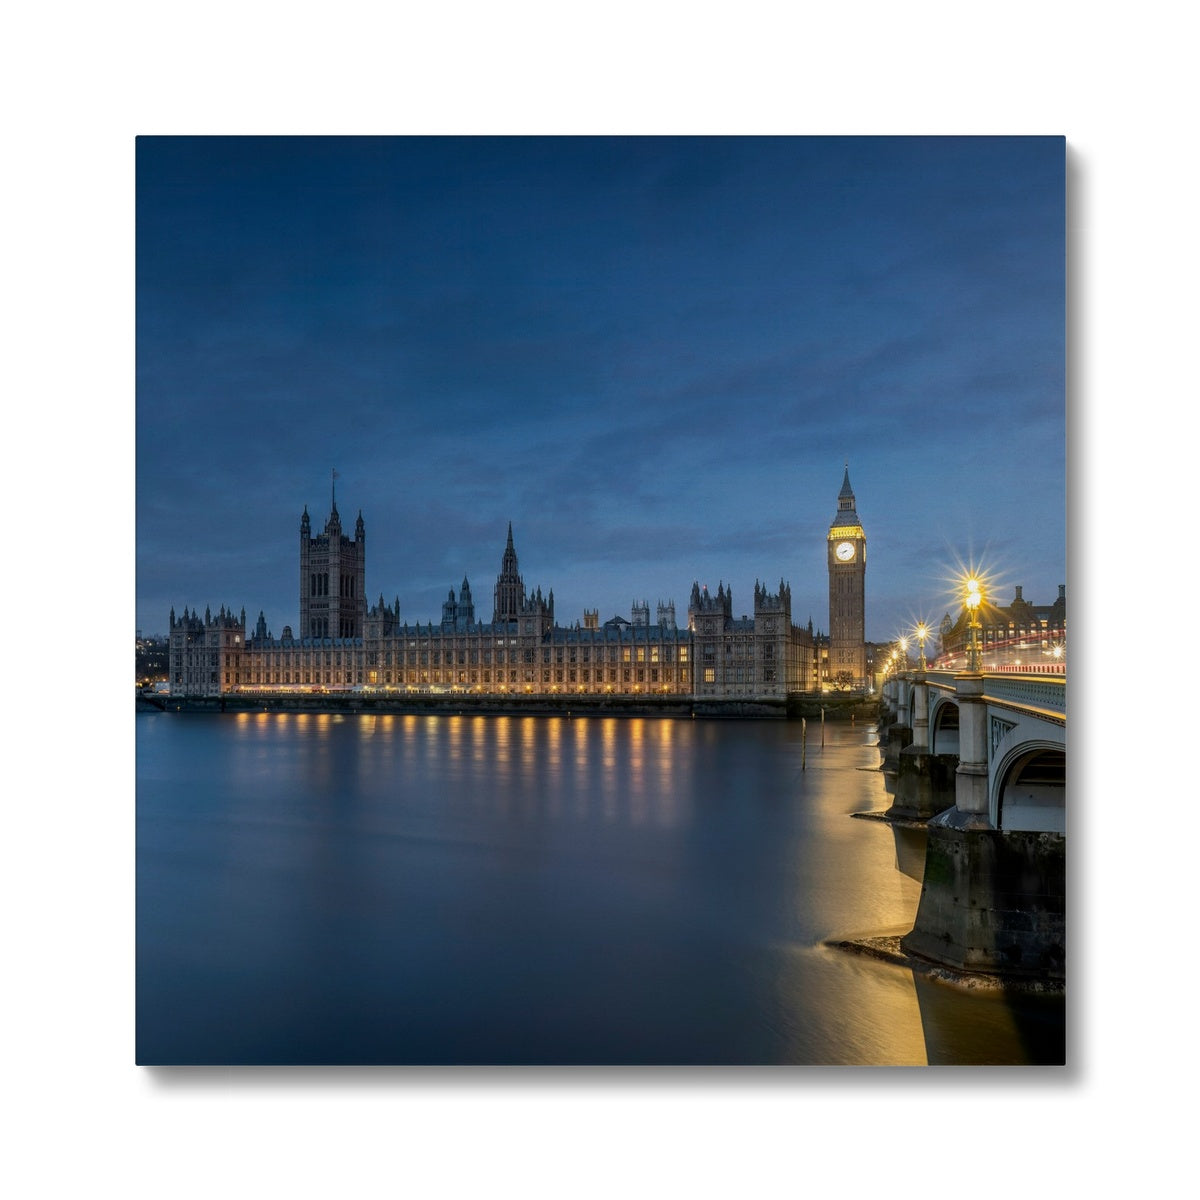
(345, 644)
(152, 662)
(1016, 635)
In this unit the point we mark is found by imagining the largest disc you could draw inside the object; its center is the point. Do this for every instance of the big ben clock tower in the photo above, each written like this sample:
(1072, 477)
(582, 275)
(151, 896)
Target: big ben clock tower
(847, 592)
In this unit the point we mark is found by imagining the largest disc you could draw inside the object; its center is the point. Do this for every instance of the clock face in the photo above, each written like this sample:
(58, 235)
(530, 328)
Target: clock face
(844, 551)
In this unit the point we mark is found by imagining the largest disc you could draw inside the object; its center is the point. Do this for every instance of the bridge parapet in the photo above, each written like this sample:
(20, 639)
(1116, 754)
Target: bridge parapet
(1041, 695)
(1037, 694)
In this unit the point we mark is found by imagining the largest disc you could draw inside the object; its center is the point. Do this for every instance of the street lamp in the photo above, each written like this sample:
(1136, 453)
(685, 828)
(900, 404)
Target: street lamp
(922, 632)
(903, 643)
(973, 599)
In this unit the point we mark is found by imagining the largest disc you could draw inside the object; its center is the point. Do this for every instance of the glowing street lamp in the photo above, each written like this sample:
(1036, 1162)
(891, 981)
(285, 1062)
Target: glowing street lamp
(973, 599)
(904, 653)
(922, 632)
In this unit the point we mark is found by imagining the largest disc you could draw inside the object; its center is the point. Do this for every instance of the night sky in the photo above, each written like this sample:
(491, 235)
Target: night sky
(654, 356)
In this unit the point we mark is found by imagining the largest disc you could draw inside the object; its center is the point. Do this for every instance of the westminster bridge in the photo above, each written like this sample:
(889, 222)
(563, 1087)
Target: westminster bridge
(979, 758)
(1006, 733)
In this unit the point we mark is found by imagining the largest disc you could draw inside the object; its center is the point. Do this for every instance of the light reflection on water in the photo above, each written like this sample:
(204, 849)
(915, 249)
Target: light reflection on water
(323, 888)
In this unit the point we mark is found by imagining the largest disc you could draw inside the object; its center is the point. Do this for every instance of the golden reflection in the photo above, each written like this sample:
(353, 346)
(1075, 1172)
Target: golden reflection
(669, 786)
(529, 747)
(637, 765)
(622, 770)
(881, 1028)
(503, 732)
(408, 740)
(608, 743)
(479, 739)
(454, 735)
(432, 730)
(579, 750)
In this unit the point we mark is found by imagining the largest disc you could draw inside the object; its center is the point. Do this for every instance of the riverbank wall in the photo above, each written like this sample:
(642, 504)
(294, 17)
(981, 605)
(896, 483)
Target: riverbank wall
(750, 708)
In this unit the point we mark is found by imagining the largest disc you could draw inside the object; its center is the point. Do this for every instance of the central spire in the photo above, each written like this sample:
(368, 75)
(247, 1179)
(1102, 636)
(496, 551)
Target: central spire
(510, 588)
(508, 564)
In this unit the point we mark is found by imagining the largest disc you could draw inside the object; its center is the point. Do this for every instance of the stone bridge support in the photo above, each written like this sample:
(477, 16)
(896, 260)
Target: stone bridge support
(993, 901)
(970, 809)
(925, 783)
(898, 734)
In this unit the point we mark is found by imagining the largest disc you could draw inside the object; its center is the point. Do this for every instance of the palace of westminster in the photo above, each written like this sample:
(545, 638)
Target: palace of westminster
(342, 644)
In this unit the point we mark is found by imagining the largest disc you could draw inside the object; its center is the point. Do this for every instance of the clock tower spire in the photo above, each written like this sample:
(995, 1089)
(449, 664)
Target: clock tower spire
(847, 552)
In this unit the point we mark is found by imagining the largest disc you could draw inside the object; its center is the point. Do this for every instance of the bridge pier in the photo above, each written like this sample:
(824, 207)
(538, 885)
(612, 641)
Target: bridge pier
(925, 783)
(970, 809)
(992, 901)
(897, 734)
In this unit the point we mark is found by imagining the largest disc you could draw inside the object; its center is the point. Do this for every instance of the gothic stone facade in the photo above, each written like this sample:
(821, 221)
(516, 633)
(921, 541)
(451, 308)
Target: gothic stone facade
(520, 650)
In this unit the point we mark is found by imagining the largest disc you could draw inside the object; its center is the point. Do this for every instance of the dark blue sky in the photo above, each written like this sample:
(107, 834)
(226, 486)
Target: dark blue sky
(652, 355)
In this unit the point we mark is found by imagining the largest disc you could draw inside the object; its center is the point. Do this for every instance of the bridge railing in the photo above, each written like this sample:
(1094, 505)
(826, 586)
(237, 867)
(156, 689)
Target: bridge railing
(1035, 692)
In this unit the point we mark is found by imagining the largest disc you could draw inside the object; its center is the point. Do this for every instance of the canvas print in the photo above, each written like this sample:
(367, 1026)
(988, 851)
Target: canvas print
(601, 601)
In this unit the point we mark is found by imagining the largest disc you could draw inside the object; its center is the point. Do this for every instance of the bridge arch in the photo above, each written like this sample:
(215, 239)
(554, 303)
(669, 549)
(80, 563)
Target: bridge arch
(943, 725)
(1028, 788)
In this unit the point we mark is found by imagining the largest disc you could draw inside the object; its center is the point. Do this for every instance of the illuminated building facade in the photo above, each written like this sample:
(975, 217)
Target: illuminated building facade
(344, 645)
(1018, 636)
(763, 655)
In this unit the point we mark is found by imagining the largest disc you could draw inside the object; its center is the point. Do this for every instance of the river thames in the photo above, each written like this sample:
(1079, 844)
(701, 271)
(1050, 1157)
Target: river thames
(364, 889)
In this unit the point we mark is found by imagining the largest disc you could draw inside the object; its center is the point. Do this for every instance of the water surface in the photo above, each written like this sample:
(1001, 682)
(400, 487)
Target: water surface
(500, 890)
